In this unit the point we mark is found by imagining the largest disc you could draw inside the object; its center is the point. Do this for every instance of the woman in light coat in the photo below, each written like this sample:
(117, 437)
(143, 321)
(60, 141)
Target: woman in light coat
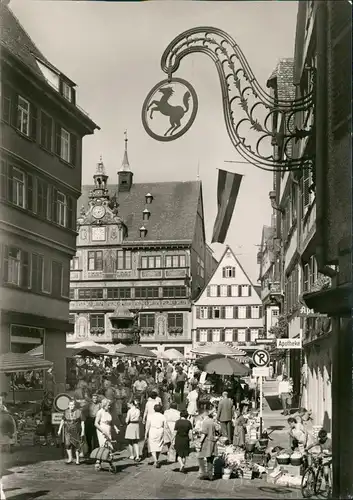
(104, 425)
(155, 426)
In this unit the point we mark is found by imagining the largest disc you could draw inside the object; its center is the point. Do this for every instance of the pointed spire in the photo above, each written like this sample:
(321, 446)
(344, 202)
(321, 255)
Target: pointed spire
(125, 166)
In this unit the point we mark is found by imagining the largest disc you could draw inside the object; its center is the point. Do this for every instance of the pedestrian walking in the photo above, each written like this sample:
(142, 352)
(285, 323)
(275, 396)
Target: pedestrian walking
(90, 429)
(208, 449)
(154, 433)
(180, 380)
(171, 417)
(284, 394)
(74, 430)
(132, 433)
(104, 425)
(182, 438)
(225, 414)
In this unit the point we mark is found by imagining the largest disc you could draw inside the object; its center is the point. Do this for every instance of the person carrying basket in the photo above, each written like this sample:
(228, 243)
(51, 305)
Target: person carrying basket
(104, 425)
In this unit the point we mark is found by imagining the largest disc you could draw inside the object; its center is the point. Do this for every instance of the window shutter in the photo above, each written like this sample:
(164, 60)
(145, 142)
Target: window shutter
(30, 193)
(229, 290)
(73, 151)
(24, 269)
(248, 312)
(33, 121)
(10, 183)
(224, 272)
(306, 185)
(71, 213)
(249, 291)
(209, 313)
(3, 179)
(60, 86)
(223, 335)
(197, 312)
(6, 103)
(209, 335)
(73, 95)
(235, 312)
(65, 281)
(58, 139)
(14, 110)
(260, 311)
(208, 291)
(223, 312)
(247, 335)
(233, 272)
(197, 335)
(54, 207)
(235, 335)
(218, 290)
(5, 263)
(239, 291)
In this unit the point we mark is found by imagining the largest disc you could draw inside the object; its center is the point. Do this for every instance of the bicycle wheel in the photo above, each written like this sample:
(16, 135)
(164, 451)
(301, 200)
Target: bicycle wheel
(322, 487)
(308, 483)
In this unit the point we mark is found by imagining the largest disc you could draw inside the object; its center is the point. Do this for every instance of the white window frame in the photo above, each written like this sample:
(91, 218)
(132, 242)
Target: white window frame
(18, 185)
(257, 309)
(203, 335)
(241, 308)
(67, 91)
(254, 334)
(14, 267)
(61, 201)
(229, 312)
(228, 272)
(65, 140)
(234, 290)
(245, 287)
(216, 335)
(75, 264)
(23, 114)
(224, 290)
(213, 291)
(242, 331)
(228, 334)
(203, 312)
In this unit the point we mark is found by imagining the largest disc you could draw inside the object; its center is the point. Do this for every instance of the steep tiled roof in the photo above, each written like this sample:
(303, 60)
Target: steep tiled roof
(173, 210)
(284, 74)
(15, 38)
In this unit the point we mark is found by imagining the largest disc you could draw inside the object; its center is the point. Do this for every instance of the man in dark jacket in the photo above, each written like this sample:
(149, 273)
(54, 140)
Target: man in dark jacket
(225, 415)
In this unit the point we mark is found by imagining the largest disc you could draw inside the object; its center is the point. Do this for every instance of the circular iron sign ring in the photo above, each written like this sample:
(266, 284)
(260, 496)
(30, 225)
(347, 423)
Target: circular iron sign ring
(168, 138)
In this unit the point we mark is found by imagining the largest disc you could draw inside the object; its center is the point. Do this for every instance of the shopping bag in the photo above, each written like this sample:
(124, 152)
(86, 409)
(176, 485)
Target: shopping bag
(103, 453)
(84, 447)
(171, 454)
(144, 452)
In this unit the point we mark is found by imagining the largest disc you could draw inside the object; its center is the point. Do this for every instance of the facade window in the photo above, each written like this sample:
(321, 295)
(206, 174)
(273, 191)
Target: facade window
(146, 292)
(74, 264)
(56, 278)
(244, 291)
(203, 335)
(147, 320)
(175, 320)
(95, 260)
(200, 267)
(313, 271)
(216, 335)
(229, 272)
(23, 115)
(90, 293)
(17, 182)
(42, 198)
(16, 267)
(224, 290)
(229, 312)
(123, 260)
(61, 209)
(96, 321)
(213, 290)
(67, 91)
(37, 272)
(203, 312)
(242, 312)
(119, 293)
(216, 312)
(255, 312)
(254, 334)
(241, 335)
(229, 335)
(72, 294)
(234, 290)
(151, 262)
(46, 131)
(176, 292)
(175, 261)
(72, 319)
(65, 145)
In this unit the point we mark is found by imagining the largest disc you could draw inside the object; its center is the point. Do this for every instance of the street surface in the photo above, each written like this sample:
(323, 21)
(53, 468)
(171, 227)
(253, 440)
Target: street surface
(41, 473)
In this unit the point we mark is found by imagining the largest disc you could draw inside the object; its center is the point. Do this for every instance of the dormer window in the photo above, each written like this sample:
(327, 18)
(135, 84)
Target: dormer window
(143, 231)
(149, 198)
(146, 214)
(67, 91)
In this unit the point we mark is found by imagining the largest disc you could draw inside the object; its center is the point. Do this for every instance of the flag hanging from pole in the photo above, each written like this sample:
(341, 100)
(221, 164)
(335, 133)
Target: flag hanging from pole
(227, 193)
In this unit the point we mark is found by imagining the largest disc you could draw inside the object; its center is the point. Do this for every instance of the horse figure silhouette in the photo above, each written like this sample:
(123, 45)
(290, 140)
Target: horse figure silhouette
(175, 113)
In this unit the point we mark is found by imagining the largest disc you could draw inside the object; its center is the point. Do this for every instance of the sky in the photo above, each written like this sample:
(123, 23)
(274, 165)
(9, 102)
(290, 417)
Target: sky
(112, 52)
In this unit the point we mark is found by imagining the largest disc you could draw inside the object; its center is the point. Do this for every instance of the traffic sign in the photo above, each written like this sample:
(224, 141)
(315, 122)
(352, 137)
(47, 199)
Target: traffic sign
(261, 358)
(261, 371)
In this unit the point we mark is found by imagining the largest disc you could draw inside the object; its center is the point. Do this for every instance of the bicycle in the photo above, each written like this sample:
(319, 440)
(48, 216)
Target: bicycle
(313, 478)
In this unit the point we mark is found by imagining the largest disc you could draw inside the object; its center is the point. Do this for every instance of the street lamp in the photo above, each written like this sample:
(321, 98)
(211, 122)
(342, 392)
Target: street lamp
(241, 95)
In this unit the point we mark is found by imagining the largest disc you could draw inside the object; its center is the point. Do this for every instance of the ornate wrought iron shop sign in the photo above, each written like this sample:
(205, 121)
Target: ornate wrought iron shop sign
(171, 106)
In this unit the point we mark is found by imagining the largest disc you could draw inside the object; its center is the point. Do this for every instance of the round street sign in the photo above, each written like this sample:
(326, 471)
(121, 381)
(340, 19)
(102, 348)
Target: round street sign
(261, 358)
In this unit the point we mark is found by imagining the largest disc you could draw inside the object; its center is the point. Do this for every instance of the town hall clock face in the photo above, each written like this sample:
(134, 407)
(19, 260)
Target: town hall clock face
(98, 211)
(98, 233)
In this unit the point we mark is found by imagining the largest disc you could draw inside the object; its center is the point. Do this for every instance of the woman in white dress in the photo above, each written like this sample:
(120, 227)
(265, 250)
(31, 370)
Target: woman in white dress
(171, 416)
(152, 401)
(104, 425)
(132, 433)
(155, 433)
(192, 399)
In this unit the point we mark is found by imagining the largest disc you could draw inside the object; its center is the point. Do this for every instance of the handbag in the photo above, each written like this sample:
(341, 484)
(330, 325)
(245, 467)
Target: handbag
(103, 453)
(84, 447)
(144, 452)
(171, 454)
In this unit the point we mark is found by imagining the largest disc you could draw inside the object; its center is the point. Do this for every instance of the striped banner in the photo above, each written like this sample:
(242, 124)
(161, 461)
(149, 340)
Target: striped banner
(227, 193)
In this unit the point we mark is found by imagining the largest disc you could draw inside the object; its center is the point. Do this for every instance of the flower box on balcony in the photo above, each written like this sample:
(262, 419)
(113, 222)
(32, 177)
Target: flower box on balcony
(175, 329)
(147, 331)
(97, 330)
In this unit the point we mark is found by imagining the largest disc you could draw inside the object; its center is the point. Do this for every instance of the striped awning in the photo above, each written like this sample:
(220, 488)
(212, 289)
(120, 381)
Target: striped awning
(209, 348)
(13, 362)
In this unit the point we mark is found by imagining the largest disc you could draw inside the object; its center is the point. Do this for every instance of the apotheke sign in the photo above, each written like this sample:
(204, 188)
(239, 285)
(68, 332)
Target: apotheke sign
(289, 343)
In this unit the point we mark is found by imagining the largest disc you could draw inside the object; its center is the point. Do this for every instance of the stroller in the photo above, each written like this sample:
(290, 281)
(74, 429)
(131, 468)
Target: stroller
(105, 454)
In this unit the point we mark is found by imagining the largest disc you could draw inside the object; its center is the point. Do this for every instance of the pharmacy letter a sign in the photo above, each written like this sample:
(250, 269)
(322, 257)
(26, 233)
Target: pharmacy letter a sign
(289, 343)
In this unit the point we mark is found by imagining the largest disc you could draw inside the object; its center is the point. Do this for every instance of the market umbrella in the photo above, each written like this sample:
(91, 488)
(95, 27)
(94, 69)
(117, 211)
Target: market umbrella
(222, 365)
(221, 348)
(15, 362)
(137, 350)
(37, 351)
(173, 354)
(90, 346)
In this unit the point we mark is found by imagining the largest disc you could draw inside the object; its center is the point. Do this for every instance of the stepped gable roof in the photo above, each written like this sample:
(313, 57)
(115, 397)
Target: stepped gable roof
(15, 38)
(173, 210)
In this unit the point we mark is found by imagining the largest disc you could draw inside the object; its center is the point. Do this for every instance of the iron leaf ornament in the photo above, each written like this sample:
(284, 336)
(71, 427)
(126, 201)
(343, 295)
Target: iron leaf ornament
(242, 98)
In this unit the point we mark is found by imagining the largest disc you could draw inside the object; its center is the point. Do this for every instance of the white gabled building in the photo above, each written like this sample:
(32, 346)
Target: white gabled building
(229, 309)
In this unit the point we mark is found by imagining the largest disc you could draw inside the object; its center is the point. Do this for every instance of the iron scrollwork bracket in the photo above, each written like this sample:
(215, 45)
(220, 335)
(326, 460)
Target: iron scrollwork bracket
(241, 93)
